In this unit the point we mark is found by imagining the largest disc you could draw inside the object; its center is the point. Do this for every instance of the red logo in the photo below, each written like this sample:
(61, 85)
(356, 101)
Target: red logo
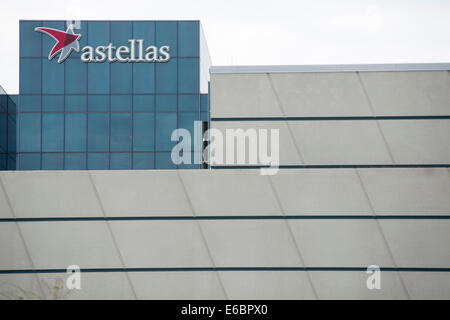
(65, 42)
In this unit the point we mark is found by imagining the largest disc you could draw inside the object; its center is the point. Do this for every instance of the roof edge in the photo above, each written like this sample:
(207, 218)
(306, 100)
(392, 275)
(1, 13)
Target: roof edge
(441, 66)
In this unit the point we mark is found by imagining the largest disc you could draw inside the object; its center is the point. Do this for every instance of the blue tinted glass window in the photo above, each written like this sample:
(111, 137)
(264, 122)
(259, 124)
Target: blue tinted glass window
(144, 78)
(120, 161)
(30, 40)
(98, 74)
(204, 102)
(204, 116)
(53, 103)
(188, 102)
(166, 102)
(48, 42)
(98, 132)
(52, 132)
(3, 161)
(76, 132)
(12, 133)
(164, 161)
(166, 35)
(120, 132)
(30, 132)
(52, 161)
(30, 76)
(144, 30)
(76, 71)
(121, 31)
(3, 132)
(121, 74)
(98, 161)
(143, 103)
(121, 103)
(3, 102)
(143, 160)
(144, 132)
(76, 103)
(29, 161)
(52, 77)
(188, 75)
(166, 122)
(166, 77)
(188, 38)
(11, 162)
(75, 161)
(98, 103)
(30, 103)
(98, 33)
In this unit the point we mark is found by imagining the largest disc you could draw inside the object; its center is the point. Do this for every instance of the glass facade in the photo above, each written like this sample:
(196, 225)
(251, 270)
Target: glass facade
(110, 115)
(8, 129)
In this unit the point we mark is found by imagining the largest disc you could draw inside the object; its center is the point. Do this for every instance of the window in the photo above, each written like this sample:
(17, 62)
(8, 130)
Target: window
(98, 33)
(120, 103)
(30, 76)
(52, 76)
(188, 102)
(30, 40)
(98, 103)
(144, 78)
(143, 160)
(53, 103)
(53, 132)
(188, 75)
(121, 75)
(143, 132)
(76, 81)
(76, 103)
(166, 76)
(120, 161)
(52, 161)
(75, 161)
(164, 161)
(166, 102)
(166, 122)
(121, 132)
(188, 38)
(143, 103)
(121, 31)
(166, 35)
(75, 132)
(98, 77)
(98, 132)
(30, 103)
(144, 30)
(98, 161)
(30, 132)
(29, 161)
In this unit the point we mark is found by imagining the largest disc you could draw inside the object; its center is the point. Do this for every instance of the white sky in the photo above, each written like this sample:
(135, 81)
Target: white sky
(259, 32)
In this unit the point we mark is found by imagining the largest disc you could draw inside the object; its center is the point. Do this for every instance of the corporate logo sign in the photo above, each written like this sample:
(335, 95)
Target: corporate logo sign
(67, 41)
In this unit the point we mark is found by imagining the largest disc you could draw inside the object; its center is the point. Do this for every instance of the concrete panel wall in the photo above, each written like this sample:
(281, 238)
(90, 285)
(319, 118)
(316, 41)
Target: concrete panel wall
(309, 94)
(312, 236)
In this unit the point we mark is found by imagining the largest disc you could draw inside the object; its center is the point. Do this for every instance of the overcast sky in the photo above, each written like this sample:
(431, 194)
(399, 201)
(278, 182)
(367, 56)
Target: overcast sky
(259, 32)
